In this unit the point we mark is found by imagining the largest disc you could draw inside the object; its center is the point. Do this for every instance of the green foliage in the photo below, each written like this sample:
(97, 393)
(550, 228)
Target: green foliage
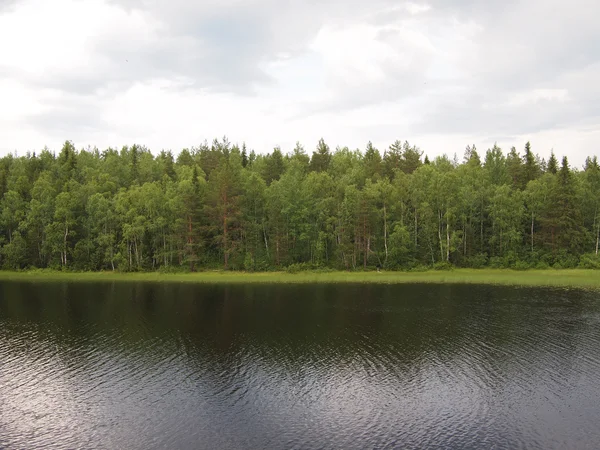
(477, 261)
(219, 206)
(443, 265)
(589, 261)
(522, 265)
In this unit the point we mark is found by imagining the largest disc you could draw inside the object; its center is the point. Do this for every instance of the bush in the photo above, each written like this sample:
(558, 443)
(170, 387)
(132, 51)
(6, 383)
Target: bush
(589, 261)
(496, 262)
(478, 261)
(443, 265)
(174, 269)
(542, 265)
(297, 267)
(323, 269)
(249, 264)
(569, 262)
(522, 265)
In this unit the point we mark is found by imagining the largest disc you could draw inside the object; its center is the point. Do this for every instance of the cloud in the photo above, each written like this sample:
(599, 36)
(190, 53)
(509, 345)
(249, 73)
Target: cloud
(104, 72)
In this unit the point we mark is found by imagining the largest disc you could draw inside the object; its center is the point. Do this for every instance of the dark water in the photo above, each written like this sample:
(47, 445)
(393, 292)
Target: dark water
(145, 366)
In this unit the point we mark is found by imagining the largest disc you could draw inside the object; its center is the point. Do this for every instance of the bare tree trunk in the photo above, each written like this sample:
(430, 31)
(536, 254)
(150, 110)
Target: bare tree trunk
(597, 238)
(440, 235)
(385, 232)
(265, 236)
(364, 242)
(481, 228)
(416, 229)
(465, 239)
(137, 253)
(447, 243)
(65, 242)
(226, 254)
(165, 249)
(597, 226)
(531, 231)
(277, 246)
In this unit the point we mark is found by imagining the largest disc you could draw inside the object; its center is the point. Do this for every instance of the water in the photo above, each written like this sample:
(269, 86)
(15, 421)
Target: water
(142, 366)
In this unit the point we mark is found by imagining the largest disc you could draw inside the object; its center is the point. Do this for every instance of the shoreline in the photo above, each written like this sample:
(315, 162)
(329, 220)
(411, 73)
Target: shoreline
(575, 278)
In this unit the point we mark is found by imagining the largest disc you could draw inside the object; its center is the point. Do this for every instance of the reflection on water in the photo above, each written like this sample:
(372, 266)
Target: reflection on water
(341, 366)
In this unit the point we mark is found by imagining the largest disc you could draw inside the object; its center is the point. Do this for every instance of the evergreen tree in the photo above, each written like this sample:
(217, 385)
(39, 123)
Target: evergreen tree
(244, 156)
(372, 161)
(552, 164)
(320, 158)
(531, 168)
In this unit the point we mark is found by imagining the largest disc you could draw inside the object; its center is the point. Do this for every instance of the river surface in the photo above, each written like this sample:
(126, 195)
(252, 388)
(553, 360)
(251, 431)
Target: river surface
(175, 366)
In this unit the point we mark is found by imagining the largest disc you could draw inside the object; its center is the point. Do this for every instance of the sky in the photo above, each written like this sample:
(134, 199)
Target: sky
(442, 74)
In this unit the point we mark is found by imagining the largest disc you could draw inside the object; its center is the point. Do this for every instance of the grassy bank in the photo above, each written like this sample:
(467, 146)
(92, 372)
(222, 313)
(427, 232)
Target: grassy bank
(567, 278)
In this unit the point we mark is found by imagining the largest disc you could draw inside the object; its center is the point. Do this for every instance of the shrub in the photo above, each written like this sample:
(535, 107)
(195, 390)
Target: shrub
(477, 261)
(297, 267)
(249, 264)
(496, 262)
(589, 261)
(522, 265)
(442, 265)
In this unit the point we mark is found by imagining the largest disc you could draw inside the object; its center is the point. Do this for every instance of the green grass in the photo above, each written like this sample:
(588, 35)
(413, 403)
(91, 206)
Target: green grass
(578, 278)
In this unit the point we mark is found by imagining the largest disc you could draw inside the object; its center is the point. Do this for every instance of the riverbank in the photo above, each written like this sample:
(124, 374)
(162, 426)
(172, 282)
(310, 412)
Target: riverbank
(577, 278)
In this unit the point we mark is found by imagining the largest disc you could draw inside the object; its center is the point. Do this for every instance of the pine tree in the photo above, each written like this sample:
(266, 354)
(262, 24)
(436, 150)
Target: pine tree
(244, 156)
(531, 169)
(552, 164)
(569, 230)
(392, 159)
(514, 167)
(321, 158)
(372, 161)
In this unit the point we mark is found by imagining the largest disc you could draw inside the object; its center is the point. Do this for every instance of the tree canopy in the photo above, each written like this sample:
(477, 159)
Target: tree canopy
(225, 206)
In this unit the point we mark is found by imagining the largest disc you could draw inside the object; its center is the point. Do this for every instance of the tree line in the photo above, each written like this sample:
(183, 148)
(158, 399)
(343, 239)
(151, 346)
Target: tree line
(219, 206)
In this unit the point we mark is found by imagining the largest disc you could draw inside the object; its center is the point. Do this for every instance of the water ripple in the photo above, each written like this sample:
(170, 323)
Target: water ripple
(98, 366)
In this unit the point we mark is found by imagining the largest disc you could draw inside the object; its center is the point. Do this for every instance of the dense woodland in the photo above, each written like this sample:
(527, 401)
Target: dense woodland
(220, 206)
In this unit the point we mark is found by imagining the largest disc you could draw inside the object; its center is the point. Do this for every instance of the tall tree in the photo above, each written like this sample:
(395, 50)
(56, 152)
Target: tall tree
(320, 158)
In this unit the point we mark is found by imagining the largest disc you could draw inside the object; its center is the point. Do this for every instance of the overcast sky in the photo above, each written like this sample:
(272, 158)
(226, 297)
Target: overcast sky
(169, 74)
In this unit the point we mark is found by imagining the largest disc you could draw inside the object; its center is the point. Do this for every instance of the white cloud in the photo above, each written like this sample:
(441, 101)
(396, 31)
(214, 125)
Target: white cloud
(441, 74)
(417, 8)
(539, 95)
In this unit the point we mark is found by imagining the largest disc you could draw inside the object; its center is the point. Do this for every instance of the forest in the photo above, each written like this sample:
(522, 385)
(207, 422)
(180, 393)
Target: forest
(220, 206)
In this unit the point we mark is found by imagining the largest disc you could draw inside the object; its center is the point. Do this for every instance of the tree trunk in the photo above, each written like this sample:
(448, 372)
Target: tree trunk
(65, 242)
(265, 236)
(597, 227)
(416, 230)
(137, 253)
(447, 243)
(364, 236)
(277, 249)
(597, 238)
(226, 253)
(165, 249)
(532, 232)
(440, 235)
(481, 229)
(385, 233)
(465, 239)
